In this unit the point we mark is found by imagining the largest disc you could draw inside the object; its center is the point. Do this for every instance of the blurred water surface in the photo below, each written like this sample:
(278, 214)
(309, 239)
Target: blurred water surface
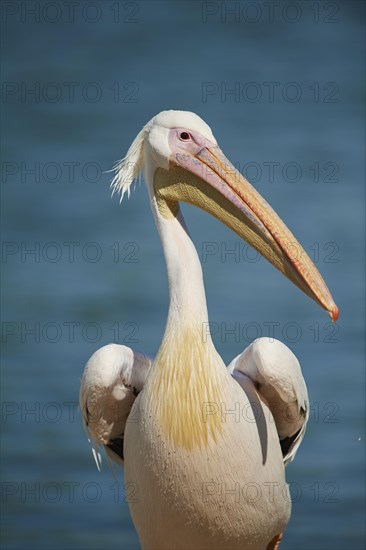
(98, 273)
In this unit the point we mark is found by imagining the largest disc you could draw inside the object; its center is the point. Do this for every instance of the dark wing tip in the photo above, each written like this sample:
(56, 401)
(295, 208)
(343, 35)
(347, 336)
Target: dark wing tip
(287, 442)
(116, 446)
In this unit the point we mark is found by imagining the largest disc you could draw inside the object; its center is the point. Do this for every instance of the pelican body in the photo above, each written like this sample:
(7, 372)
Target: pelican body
(204, 445)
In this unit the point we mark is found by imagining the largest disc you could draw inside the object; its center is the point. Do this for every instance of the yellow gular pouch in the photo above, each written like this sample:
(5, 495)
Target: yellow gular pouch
(186, 385)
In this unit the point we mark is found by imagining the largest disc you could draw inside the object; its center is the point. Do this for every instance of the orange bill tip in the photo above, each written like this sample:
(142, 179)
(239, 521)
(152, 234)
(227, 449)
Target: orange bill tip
(334, 314)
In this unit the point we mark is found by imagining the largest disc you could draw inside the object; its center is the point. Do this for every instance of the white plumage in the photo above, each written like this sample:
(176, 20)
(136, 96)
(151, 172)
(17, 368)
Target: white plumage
(276, 373)
(115, 375)
(112, 378)
(178, 423)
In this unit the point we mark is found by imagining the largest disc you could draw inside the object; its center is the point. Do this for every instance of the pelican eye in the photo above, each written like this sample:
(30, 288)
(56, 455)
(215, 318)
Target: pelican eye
(185, 136)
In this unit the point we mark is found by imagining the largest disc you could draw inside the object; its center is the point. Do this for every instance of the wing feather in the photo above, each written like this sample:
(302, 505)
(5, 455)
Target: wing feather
(112, 378)
(276, 373)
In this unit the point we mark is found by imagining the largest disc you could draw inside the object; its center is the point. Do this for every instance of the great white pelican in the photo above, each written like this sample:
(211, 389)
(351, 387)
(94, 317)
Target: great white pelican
(204, 445)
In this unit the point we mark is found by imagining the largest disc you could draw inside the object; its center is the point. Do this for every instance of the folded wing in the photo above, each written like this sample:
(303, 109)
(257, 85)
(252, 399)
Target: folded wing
(276, 373)
(112, 378)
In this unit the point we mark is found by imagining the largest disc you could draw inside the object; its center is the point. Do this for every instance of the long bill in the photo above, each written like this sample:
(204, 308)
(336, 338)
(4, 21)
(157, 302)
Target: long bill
(208, 180)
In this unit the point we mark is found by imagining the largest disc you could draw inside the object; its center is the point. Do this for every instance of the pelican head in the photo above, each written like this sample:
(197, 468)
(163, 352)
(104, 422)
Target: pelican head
(183, 162)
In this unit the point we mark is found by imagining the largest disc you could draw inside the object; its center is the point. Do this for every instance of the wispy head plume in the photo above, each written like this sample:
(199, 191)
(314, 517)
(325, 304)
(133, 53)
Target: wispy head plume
(127, 169)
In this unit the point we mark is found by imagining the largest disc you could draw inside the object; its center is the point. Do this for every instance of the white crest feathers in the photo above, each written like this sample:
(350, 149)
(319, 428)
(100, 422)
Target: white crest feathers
(128, 169)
